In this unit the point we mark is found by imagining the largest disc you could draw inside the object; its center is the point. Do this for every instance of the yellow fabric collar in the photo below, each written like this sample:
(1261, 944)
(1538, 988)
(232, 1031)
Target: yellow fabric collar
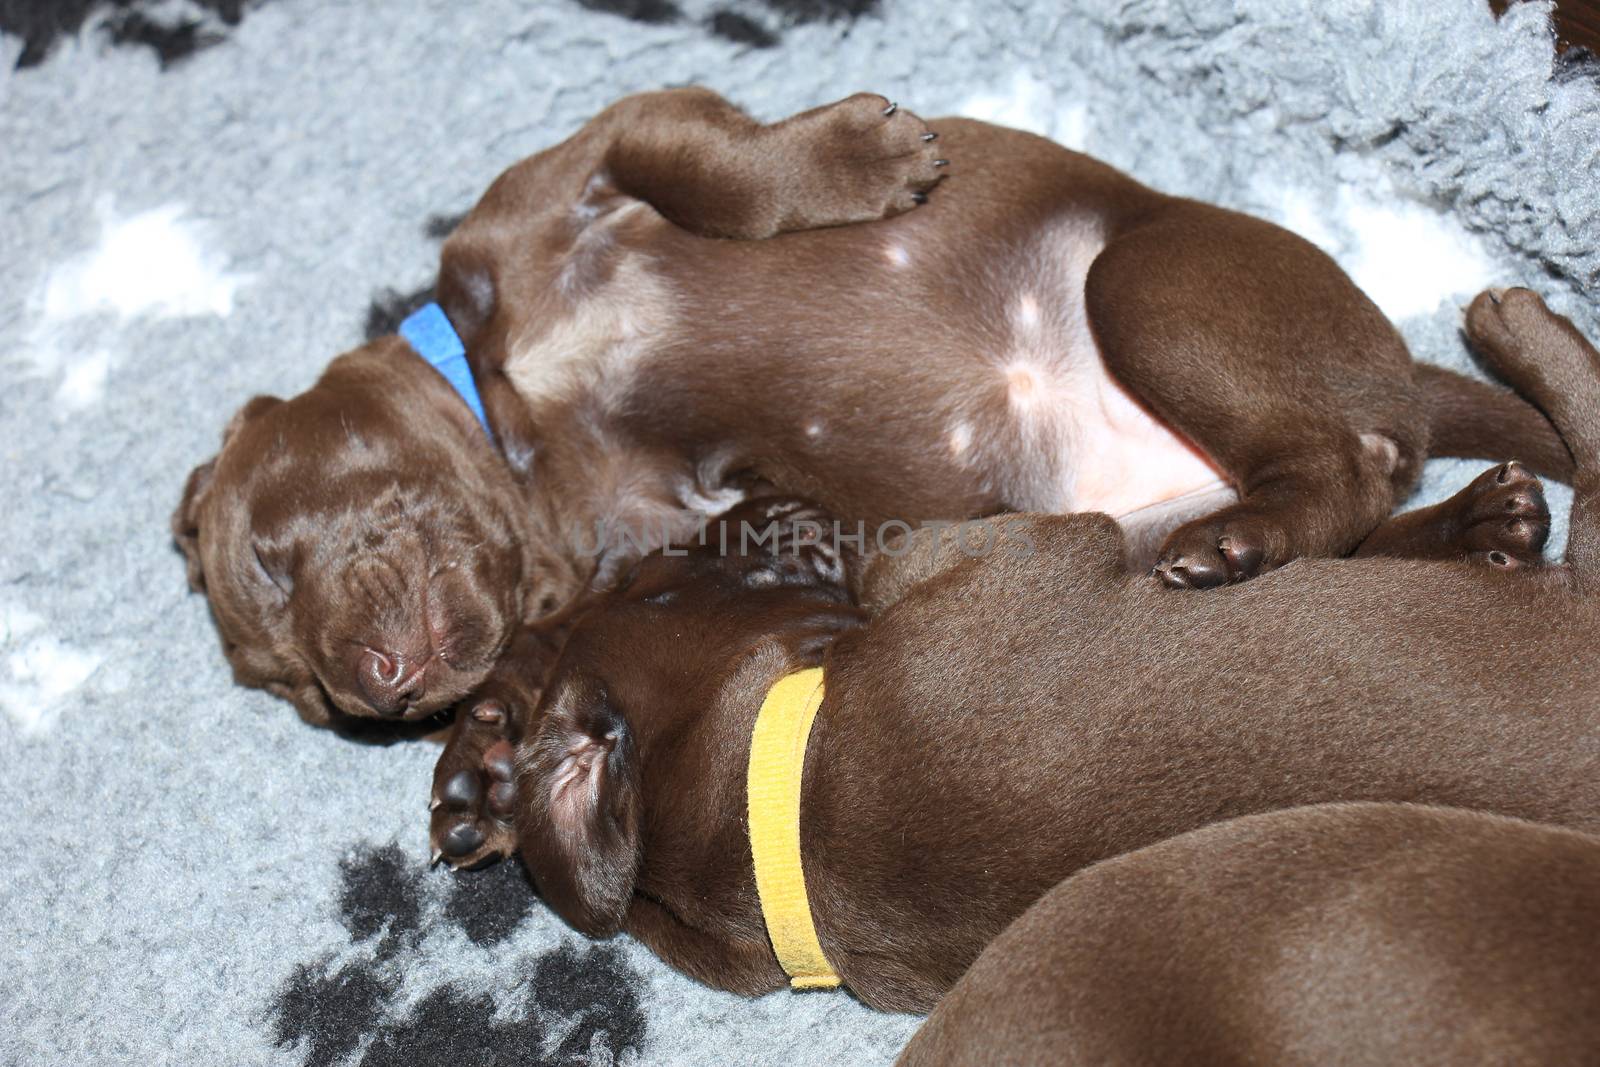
(777, 762)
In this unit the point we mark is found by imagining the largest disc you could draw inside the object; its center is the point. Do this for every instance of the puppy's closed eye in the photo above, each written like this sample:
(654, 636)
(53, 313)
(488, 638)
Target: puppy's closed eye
(273, 566)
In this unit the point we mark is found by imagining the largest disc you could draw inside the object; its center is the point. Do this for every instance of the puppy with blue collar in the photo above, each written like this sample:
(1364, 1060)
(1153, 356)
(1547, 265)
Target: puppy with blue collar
(679, 307)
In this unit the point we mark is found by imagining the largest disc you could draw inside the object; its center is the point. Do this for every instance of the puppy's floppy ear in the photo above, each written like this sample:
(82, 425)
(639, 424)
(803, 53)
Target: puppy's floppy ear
(186, 520)
(578, 778)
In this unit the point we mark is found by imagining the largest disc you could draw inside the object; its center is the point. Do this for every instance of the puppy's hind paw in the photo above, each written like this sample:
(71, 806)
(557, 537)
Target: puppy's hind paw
(1205, 554)
(1513, 328)
(1503, 517)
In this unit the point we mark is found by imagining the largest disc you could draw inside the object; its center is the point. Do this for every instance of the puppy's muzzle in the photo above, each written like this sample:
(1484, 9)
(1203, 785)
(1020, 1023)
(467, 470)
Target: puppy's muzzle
(391, 681)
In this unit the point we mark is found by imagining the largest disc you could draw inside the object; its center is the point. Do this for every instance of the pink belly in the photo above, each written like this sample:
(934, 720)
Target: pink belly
(1040, 416)
(1127, 460)
(1051, 427)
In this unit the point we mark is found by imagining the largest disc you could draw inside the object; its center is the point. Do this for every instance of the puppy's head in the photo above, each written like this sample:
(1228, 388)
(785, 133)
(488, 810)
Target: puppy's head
(361, 544)
(640, 672)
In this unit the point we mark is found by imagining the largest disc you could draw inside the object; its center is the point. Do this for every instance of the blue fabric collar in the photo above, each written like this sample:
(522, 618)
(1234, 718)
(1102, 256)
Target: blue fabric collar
(430, 333)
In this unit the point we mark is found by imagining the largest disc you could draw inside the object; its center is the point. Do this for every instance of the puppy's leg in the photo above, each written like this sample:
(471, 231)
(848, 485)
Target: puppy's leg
(1547, 360)
(1257, 347)
(1500, 519)
(473, 801)
(713, 170)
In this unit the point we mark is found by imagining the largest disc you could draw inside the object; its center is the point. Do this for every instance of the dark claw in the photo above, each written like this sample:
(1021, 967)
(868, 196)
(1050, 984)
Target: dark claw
(1176, 577)
(891, 109)
(1192, 574)
(930, 136)
(919, 198)
(462, 839)
(461, 790)
(437, 856)
(1244, 559)
(941, 162)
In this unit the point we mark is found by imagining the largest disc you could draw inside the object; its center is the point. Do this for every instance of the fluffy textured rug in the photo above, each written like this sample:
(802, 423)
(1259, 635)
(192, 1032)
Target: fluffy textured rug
(206, 200)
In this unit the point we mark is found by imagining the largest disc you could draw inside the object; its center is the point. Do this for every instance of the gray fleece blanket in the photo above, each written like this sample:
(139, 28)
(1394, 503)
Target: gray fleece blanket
(208, 199)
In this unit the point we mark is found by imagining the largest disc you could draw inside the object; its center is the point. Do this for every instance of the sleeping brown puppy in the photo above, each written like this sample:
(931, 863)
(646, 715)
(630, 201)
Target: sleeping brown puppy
(1336, 934)
(1007, 718)
(678, 305)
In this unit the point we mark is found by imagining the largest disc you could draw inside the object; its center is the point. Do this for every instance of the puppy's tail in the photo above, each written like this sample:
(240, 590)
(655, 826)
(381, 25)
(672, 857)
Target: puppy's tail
(1476, 419)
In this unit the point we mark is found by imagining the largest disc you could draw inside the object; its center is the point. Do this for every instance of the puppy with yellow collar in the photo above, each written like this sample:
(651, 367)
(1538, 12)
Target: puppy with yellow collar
(1003, 719)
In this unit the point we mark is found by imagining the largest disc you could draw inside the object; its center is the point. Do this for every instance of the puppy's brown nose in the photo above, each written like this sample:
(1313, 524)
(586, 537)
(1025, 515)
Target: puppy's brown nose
(389, 679)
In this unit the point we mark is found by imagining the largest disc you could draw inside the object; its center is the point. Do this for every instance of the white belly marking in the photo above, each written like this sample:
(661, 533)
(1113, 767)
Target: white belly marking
(1059, 433)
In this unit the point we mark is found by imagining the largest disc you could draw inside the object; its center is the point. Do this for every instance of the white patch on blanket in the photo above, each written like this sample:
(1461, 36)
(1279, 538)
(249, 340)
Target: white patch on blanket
(155, 264)
(1411, 257)
(53, 351)
(85, 381)
(152, 263)
(37, 669)
(1407, 256)
(1030, 104)
(1296, 210)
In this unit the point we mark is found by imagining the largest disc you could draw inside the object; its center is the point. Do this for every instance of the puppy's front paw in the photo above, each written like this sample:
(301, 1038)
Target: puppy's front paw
(869, 159)
(474, 796)
(1502, 517)
(785, 541)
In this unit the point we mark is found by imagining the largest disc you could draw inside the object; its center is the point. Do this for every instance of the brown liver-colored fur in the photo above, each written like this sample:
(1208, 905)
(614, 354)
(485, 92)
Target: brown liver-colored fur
(1013, 718)
(1339, 934)
(679, 305)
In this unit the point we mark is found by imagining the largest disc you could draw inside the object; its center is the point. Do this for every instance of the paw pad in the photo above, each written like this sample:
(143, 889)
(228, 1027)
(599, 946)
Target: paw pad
(475, 794)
